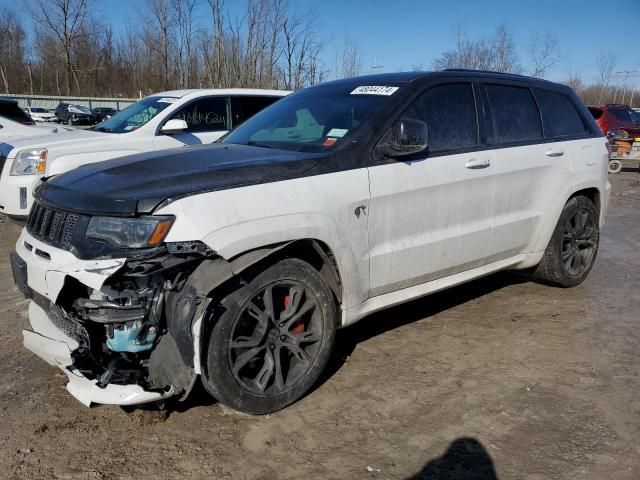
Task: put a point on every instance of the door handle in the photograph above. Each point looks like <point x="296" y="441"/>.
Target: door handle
<point x="554" y="153"/>
<point x="477" y="163"/>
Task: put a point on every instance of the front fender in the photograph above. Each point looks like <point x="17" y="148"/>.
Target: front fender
<point x="233" y="240"/>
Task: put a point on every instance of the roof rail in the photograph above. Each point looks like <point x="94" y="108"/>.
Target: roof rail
<point x="480" y="71"/>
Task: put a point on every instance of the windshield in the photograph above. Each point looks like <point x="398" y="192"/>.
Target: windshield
<point x="136" y="115"/>
<point x="37" y="110"/>
<point x="314" y="120"/>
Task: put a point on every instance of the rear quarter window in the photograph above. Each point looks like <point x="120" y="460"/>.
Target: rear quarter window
<point x="559" y="115"/>
<point x="596" y="113"/>
<point x="515" y="114"/>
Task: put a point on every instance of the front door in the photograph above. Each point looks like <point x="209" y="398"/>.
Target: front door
<point x="430" y="214"/>
<point x="207" y="118"/>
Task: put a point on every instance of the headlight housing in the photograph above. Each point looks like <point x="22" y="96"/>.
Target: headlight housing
<point x="130" y="232"/>
<point x="32" y="161"/>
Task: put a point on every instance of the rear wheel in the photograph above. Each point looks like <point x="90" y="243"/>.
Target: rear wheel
<point x="572" y="249"/>
<point x="615" y="166"/>
<point x="273" y="339"/>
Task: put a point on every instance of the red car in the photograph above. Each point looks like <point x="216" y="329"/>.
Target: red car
<point x="616" y="117"/>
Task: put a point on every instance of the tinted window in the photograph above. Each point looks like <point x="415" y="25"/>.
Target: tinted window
<point x="621" y="114"/>
<point x="245" y="107"/>
<point x="515" y="114"/>
<point x="450" y="114"/>
<point x="596" y="112"/>
<point x="205" y="115"/>
<point x="13" y="112"/>
<point x="559" y="115"/>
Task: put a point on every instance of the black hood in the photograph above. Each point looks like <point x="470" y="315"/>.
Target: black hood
<point x="139" y="183"/>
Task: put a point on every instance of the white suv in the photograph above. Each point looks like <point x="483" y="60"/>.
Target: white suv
<point x="161" y="121"/>
<point x="237" y="262"/>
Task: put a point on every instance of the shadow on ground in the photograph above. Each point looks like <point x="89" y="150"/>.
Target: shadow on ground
<point x="465" y="459"/>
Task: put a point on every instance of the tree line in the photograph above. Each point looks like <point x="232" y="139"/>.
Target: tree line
<point x="172" y="44"/>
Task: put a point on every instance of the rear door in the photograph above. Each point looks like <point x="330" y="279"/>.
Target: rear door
<point x="207" y="118"/>
<point x="243" y="107"/>
<point x="532" y="173"/>
<point x="430" y="213"/>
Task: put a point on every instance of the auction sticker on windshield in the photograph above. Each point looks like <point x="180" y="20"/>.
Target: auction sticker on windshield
<point x="374" y="90"/>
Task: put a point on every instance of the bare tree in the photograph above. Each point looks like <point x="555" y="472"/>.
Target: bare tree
<point x="496" y="53"/>
<point x="544" y="51"/>
<point x="350" y="59"/>
<point x="65" y="19"/>
<point x="12" y="50"/>
<point x="184" y="12"/>
<point x="159" y="34"/>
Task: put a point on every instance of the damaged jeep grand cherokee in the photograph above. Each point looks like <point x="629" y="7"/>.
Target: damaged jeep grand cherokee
<point x="234" y="263"/>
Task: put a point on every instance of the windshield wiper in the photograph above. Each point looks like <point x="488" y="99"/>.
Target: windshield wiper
<point x="102" y="129"/>
<point x="253" y="143"/>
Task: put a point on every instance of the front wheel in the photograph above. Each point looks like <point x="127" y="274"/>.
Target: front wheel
<point x="272" y="339"/>
<point x="572" y="249"/>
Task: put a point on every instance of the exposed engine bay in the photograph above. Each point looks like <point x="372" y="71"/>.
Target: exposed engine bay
<point x="138" y="328"/>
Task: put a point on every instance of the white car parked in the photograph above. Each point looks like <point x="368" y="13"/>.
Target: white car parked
<point x="165" y="120"/>
<point x="39" y="114"/>
<point x="11" y="132"/>
<point x="237" y="262"/>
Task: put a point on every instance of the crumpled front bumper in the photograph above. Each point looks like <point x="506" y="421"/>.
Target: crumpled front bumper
<point x="46" y="277"/>
<point x="52" y="345"/>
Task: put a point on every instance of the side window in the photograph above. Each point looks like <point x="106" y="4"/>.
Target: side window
<point x="559" y="115"/>
<point x="622" y="114"/>
<point x="245" y="107"/>
<point x="515" y="114"/>
<point x="205" y="115"/>
<point x="450" y="114"/>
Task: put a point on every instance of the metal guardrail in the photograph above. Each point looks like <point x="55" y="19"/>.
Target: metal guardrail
<point x="52" y="101"/>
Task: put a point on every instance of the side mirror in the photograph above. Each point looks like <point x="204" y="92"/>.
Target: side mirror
<point x="407" y="136"/>
<point x="174" y="125"/>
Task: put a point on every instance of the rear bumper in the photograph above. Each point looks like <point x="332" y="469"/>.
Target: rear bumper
<point x="55" y="347"/>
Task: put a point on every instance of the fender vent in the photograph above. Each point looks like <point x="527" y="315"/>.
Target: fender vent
<point x="52" y="226"/>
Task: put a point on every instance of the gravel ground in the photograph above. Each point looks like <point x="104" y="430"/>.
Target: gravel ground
<point x="499" y="378"/>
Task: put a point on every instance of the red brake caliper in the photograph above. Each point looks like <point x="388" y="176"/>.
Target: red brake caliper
<point x="298" y="328"/>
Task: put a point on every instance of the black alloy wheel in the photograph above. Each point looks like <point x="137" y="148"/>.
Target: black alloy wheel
<point x="272" y="338"/>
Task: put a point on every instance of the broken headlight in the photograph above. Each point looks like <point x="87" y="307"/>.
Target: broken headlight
<point x="130" y="232"/>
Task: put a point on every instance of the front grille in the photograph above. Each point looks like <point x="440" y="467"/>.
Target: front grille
<point x="52" y="226"/>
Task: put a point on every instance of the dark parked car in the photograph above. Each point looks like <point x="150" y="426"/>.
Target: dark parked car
<point x="73" y="114"/>
<point x="9" y="109"/>
<point x="100" y="114"/>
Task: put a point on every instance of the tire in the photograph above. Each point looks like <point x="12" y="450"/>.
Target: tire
<point x="573" y="247"/>
<point x="615" y="166"/>
<point x="258" y="365"/>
